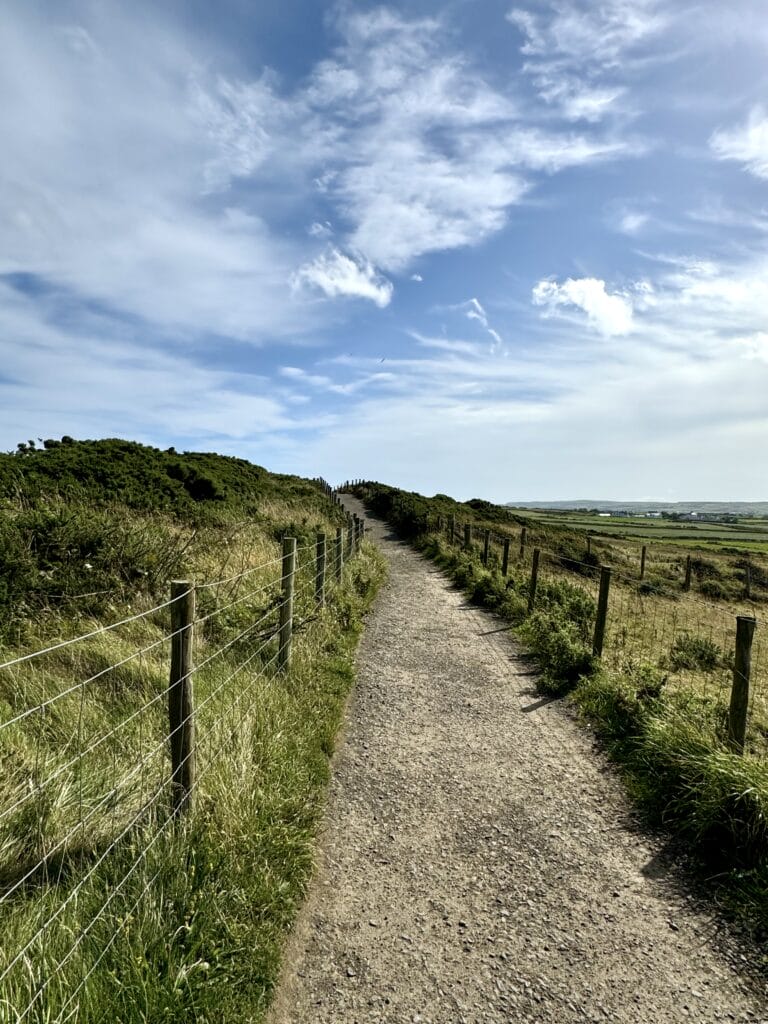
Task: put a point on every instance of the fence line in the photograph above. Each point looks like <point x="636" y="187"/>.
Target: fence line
<point x="697" y="646"/>
<point x="109" y="786"/>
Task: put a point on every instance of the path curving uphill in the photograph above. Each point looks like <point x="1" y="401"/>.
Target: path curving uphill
<point x="479" y="861"/>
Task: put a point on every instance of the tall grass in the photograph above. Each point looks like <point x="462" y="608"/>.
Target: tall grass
<point x="181" y="921"/>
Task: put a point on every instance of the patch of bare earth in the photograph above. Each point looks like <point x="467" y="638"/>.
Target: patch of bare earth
<point x="479" y="861"/>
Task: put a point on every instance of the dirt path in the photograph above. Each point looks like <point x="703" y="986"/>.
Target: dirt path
<point x="479" y="862"/>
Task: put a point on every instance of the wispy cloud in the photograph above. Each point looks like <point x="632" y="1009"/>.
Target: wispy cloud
<point x="473" y="310"/>
<point x="576" y="51"/>
<point x="747" y="143"/>
<point x="337" y="274"/>
<point x="581" y="32"/>
<point x="429" y="155"/>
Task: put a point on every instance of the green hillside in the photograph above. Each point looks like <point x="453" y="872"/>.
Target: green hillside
<point x="86" y="525"/>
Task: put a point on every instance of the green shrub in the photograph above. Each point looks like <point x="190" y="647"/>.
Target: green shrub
<point x="715" y="589"/>
<point x="694" y="652"/>
<point x="560" y="649"/>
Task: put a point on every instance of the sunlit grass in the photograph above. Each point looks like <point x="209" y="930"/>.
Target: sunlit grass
<point x="128" y="915"/>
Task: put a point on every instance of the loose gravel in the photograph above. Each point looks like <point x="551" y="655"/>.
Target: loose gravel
<point x="479" y="861"/>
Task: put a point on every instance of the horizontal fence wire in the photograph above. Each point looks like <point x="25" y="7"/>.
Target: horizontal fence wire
<point x="668" y="639"/>
<point x="85" y="636"/>
<point x="95" y="793"/>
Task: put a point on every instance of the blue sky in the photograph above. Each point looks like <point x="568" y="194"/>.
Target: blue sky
<point x="509" y="250"/>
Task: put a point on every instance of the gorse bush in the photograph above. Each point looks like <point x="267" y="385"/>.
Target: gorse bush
<point x="694" y="652"/>
<point x="88" y="525"/>
<point x="560" y="648"/>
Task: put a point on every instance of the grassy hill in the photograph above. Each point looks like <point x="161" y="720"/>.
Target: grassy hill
<point x="86" y="525"/>
<point x="98" y="881"/>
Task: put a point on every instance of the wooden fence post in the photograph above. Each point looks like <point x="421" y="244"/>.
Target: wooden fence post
<point x="339" y="554"/>
<point x="486" y="547"/>
<point x="643" y="553"/>
<point x="181" y="701"/>
<point x="285" y="636"/>
<point x="534" y="580"/>
<point x="505" y="558"/>
<point x="687" y="584"/>
<point x="523" y="536"/>
<point x="467" y="536"/>
<point x="742" y="667"/>
<point x="748" y="581"/>
<point x="602" y="610"/>
<point x="589" y="545"/>
<point x="452" y="527"/>
<point x="320" y="569"/>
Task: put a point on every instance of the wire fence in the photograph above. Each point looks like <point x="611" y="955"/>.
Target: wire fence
<point x="94" y="773"/>
<point x="675" y="641"/>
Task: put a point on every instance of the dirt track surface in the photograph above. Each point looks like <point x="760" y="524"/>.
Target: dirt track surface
<point x="479" y="861"/>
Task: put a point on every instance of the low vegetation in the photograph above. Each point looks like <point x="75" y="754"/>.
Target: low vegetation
<point x="110" y="909"/>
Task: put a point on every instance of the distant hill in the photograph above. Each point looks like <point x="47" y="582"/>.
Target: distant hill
<point x="758" y="509"/>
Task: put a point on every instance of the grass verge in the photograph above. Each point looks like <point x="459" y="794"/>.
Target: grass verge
<point x="166" y="922"/>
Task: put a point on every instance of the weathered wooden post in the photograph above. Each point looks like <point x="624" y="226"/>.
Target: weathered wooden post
<point x="181" y="701"/>
<point x="742" y="668"/>
<point x="643" y="553"/>
<point x="452" y="527"/>
<point x="350" y="535"/>
<point x="339" y="560"/>
<point x="687" y="584"/>
<point x="523" y="537"/>
<point x="534" y="580"/>
<point x="486" y="547"/>
<point x="467" y="536"/>
<point x="285" y="635"/>
<point x="748" y="581"/>
<point x="602" y="610"/>
<point x="589" y="545"/>
<point x="320" y="569"/>
<point x="505" y="558"/>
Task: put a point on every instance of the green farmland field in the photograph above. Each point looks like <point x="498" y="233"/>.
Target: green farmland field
<point x="746" y="535"/>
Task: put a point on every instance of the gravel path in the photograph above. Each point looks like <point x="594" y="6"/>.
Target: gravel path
<point x="478" y="860"/>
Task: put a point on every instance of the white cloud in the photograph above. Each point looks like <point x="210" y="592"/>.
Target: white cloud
<point x="417" y="277"/>
<point x="87" y="384"/>
<point x="586" y="32"/>
<point x="609" y="314"/>
<point x="429" y="155"/>
<point x="112" y="138"/>
<point x="576" y="49"/>
<point x="337" y="274"/>
<point x="631" y="222"/>
<point x="473" y="310"/>
<point x="747" y="143"/>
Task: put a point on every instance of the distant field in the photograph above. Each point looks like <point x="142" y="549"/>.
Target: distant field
<point x="747" y="535"/>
